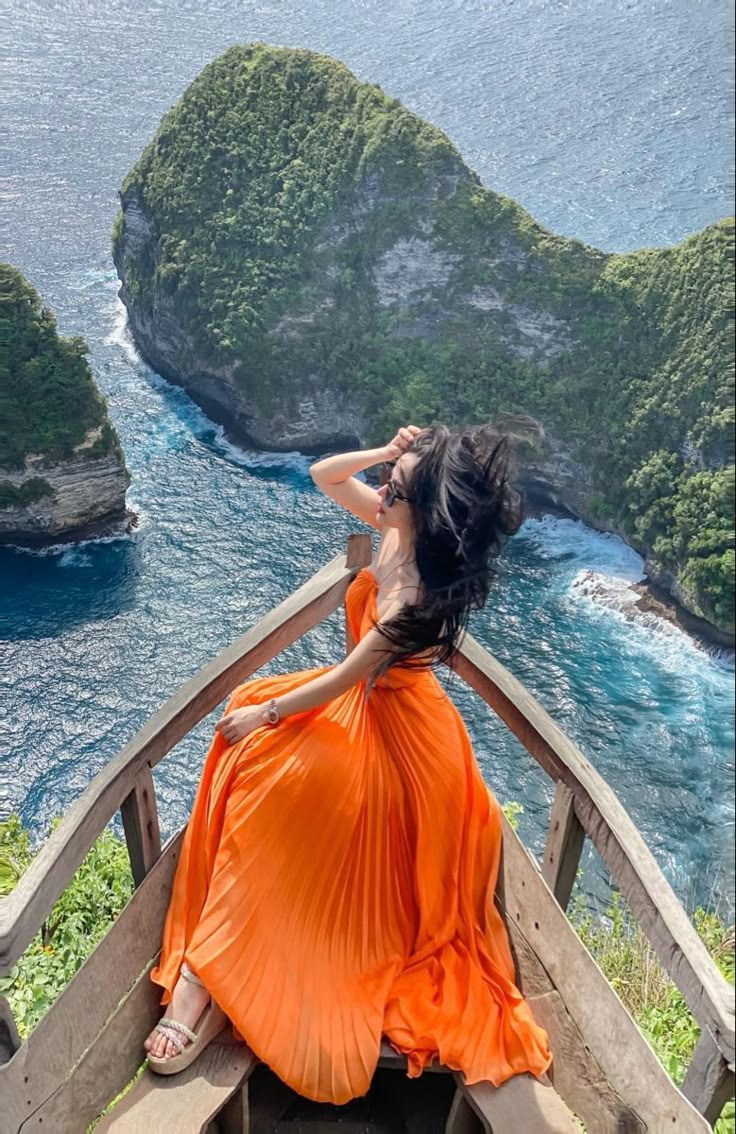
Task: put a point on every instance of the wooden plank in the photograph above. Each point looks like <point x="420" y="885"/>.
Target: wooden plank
<point x="610" y="1034"/>
<point x="359" y="550"/>
<point x="44" y="1061"/>
<point x="103" y="1070"/>
<point x="188" y="1101"/>
<point x="109" y="1064"/>
<point x="467" y="1114"/>
<point x="234" y="1118"/>
<point x="709" y="1081"/>
<point x="9" y="1038"/>
<point x="522" y="1103"/>
<point x="532" y="978"/>
<point x="140" y="824"/>
<point x="606" y="822"/>
<point x="565" y="838"/>
<point x="462" y="1119"/>
<point x="24" y="909"/>
<point x="576" y="1075"/>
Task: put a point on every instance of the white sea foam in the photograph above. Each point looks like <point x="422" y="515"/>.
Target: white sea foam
<point x="75" y="557"/>
<point x="595" y="572"/>
<point x="64" y="548"/>
<point x="581" y="547"/>
<point x="291" y="461"/>
<point x="120" y="335"/>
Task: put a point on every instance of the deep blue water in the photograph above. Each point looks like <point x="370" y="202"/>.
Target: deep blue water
<point x="609" y="122"/>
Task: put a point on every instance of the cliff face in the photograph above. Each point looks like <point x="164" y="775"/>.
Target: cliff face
<point x="85" y="496"/>
<point x="314" y="264"/>
<point x="310" y="418"/>
<point x="87" y="499"/>
<point x="312" y="259"/>
<point x="411" y="290"/>
<point x="62" y="470"/>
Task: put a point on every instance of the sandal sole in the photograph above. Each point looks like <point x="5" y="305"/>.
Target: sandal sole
<point x="210" y="1024"/>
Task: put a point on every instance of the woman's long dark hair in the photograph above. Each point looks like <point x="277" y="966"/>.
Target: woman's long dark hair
<point x="464" y="507"/>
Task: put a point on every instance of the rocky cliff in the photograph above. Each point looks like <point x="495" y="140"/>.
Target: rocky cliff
<point x="62" y="471"/>
<point x="314" y="264"/>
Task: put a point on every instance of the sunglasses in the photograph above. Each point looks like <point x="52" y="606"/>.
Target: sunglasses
<point x="394" y="492"/>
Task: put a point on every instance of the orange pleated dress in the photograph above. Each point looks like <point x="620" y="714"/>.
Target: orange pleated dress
<point x="336" y="884"/>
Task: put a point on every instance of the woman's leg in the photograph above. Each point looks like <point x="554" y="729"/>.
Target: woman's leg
<point x="199" y="846"/>
<point x="187" y="1005"/>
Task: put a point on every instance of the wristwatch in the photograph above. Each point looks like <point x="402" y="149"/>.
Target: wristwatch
<point x="272" y="713"/>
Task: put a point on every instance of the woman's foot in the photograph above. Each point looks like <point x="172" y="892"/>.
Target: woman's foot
<point x="186" y="1005"/>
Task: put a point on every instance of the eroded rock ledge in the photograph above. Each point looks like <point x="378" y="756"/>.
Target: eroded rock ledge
<point x="77" y="498"/>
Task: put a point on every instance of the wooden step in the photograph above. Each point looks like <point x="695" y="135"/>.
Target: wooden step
<point x="188" y="1101"/>
<point x="207" y="1098"/>
<point x="522" y="1103"/>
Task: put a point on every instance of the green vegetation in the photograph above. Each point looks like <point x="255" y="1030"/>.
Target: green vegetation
<point x="77" y="923"/>
<point x="18" y="496"/>
<point x="631" y="966"/>
<point x="277" y="191"/>
<point x="48" y="397"/>
<point x="243" y="172"/>
<point x="103" y="884"/>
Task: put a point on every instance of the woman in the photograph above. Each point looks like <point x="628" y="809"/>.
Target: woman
<point x="337" y="873"/>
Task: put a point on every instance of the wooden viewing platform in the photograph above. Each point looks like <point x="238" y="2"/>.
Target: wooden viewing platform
<point x="89" y="1045"/>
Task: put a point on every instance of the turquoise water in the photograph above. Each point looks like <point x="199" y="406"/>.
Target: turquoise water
<point x="98" y="635"/>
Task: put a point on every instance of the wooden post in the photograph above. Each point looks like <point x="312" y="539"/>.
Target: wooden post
<point x="359" y="554"/>
<point x="565" y="838"/>
<point x="462" y="1119"/>
<point x="9" y="1038"/>
<point x="709" y="1080"/>
<point x="140" y="823"/>
<point x="234" y="1118"/>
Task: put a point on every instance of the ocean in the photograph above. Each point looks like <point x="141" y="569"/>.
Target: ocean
<point x="609" y="122"/>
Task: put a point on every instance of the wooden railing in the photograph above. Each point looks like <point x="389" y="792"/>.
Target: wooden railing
<point x="584" y="806"/>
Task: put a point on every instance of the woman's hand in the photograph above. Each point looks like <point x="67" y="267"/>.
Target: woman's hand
<point x="240" y="722"/>
<point x="401" y="442"/>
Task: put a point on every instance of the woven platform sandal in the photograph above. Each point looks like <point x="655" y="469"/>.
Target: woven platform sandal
<point x="209" y="1024"/>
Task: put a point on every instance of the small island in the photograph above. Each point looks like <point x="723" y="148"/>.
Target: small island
<point x="313" y="264"/>
<point x="62" y="469"/>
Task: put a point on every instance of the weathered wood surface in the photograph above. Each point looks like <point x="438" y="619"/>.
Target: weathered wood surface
<point x="9" y="1038"/>
<point x="475" y="1096"/>
<point x="462" y="1119"/>
<point x="522" y="1103"/>
<point x="102" y="1072"/>
<point x="610" y="1034"/>
<point x="234" y="1118"/>
<point x="43" y="1063"/>
<point x="24" y="909"/>
<point x="709" y="1081"/>
<point x="576" y="1075"/>
<point x="188" y="1101"/>
<point x="140" y="824"/>
<point x="565" y="838"/>
<point x="615" y="837"/>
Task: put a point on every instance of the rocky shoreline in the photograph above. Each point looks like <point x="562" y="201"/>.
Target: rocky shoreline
<point x="653" y="599"/>
<point x="83" y="498"/>
<point x="541" y="499"/>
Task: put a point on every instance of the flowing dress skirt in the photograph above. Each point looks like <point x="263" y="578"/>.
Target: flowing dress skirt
<point x="336" y="884"/>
